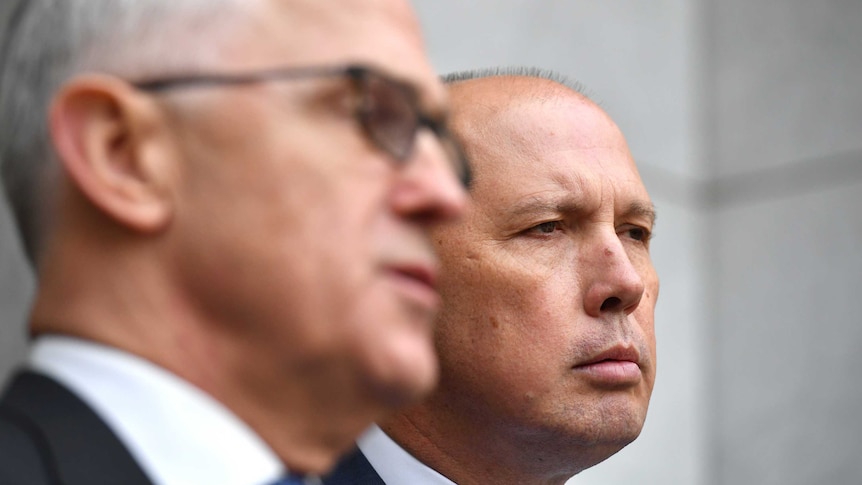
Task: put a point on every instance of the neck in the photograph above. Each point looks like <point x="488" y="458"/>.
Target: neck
<point x="471" y="450"/>
<point x="308" y="413"/>
<point x="127" y="299"/>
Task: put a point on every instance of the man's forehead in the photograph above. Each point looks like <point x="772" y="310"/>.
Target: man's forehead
<point x="512" y="108"/>
<point x="383" y="34"/>
<point x="546" y="144"/>
<point x="307" y="6"/>
<point x="352" y="26"/>
<point x="535" y="143"/>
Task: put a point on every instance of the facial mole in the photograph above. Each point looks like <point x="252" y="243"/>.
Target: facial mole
<point x="494" y="322"/>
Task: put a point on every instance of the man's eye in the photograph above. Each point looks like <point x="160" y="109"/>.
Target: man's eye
<point x="545" y="227"/>
<point x="638" y="233"/>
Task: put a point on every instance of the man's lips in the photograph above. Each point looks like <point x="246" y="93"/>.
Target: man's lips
<point x="417" y="281"/>
<point x="616" y="366"/>
<point x="422" y="273"/>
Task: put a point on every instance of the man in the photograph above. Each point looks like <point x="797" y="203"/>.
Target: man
<point x="546" y="338"/>
<point x="228" y="218"/>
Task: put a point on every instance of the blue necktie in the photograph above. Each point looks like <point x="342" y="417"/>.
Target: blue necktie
<point x="290" y="480"/>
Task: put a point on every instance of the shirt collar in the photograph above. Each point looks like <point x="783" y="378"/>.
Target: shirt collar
<point x="177" y="433"/>
<point x="393" y="463"/>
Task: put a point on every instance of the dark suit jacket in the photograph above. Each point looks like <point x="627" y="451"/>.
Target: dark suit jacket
<point x="48" y="436"/>
<point x="353" y="469"/>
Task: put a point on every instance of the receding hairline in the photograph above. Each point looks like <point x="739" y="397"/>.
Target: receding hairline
<point x="481" y="99"/>
<point x="454" y="78"/>
<point x="479" y="96"/>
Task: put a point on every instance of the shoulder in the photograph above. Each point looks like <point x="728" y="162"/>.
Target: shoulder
<point x="20" y="459"/>
<point x="49" y="436"/>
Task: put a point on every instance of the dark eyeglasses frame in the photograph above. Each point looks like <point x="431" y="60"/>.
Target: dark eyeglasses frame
<point x="359" y="76"/>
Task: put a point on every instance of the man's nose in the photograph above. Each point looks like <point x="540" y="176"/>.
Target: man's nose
<point x="428" y="187"/>
<point x="613" y="282"/>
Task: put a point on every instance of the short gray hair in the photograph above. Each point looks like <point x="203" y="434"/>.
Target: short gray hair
<point x="520" y="71"/>
<point x="46" y="42"/>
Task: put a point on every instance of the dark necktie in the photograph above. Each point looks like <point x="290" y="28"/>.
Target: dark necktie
<point x="289" y="480"/>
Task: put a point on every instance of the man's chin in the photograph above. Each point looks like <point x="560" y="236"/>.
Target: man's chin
<point x="408" y="378"/>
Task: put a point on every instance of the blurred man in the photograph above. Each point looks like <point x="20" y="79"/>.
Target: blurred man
<point x="546" y="335"/>
<point x="228" y="218"/>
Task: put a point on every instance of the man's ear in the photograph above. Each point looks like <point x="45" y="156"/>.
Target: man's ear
<point x="107" y="138"/>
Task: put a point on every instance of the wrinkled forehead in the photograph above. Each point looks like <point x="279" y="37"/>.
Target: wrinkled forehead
<point x="517" y="138"/>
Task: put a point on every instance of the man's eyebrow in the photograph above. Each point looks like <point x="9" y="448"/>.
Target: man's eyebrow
<point x="534" y="205"/>
<point x="641" y="209"/>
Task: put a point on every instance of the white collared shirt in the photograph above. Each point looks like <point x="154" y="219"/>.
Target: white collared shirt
<point x="394" y="465"/>
<point x="177" y="433"/>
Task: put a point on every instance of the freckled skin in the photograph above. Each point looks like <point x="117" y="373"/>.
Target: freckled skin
<point x="550" y="267"/>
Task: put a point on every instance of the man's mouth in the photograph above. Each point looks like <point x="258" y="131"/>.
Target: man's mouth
<point x="422" y="274"/>
<point x="616" y="366"/>
<point x="417" y="282"/>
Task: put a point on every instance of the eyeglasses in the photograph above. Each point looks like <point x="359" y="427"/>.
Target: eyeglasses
<point x="388" y="110"/>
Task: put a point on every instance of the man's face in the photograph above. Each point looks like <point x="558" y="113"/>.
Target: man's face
<point x="300" y="237"/>
<point x="546" y="333"/>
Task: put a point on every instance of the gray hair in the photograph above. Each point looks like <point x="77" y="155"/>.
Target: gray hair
<point x="520" y="71"/>
<point x="47" y="42"/>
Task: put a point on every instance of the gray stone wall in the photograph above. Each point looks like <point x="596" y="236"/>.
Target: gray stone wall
<point x="785" y="109"/>
<point x="746" y="121"/>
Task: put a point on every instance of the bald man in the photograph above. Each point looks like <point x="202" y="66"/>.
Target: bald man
<point x="546" y="338"/>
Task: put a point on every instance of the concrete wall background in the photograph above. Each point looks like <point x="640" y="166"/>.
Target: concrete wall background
<point x="785" y="111"/>
<point x="746" y="121"/>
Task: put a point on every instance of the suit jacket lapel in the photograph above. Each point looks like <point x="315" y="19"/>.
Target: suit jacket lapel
<point x="74" y="441"/>
<point x="353" y="469"/>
